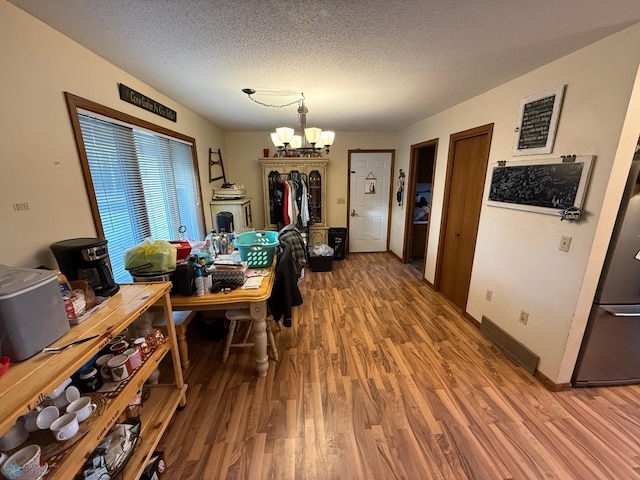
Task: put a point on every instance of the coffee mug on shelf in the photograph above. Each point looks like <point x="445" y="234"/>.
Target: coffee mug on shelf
<point x="47" y="416"/>
<point x="134" y="358"/>
<point x="70" y="394"/>
<point x="25" y="464"/>
<point x="116" y="339"/>
<point x="83" y="408"/>
<point x="90" y="379"/>
<point x="30" y="420"/>
<point x="118" y="366"/>
<point x="118" y="347"/>
<point x="101" y="365"/>
<point x="14" y="437"/>
<point x="65" y="427"/>
<point x="59" y="389"/>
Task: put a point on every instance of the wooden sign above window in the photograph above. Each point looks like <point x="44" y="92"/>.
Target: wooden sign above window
<point x="139" y="100"/>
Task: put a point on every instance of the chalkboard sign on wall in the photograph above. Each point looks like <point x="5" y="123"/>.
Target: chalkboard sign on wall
<point x="539" y="116"/>
<point x="544" y="186"/>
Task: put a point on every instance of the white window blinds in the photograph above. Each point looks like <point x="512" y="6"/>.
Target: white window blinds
<point x="146" y="186"/>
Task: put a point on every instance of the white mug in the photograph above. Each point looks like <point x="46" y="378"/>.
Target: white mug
<point x="65" y="427"/>
<point x="47" y="416"/>
<point x="14" y="437"/>
<point x="27" y="461"/>
<point x="82" y="407"/>
<point x="59" y="389"/>
<point x="30" y="420"/>
<point x="70" y="394"/>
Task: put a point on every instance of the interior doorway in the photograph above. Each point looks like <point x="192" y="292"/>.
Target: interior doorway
<point x="418" y="206"/>
<point x="464" y="187"/>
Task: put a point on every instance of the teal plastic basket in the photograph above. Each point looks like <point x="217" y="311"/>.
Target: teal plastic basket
<point x="257" y="248"/>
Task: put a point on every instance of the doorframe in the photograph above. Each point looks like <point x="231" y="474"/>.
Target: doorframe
<point x="454" y="137"/>
<point x="411" y="193"/>
<point x="392" y="151"/>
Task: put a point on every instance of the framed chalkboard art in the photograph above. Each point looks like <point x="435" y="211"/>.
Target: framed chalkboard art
<point x="538" y="121"/>
<point x="544" y="186"/>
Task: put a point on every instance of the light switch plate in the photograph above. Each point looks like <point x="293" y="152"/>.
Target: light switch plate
<point x="565" y="243"/>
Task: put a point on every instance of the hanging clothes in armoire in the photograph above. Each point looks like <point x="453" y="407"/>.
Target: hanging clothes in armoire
<point x="288" y="199"/>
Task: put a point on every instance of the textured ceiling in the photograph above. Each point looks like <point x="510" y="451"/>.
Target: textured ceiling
<point x="362" y="65"/>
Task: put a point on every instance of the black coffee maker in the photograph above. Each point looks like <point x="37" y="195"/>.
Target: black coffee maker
<point x="86" y="259"/>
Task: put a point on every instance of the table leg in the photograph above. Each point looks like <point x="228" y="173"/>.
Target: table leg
<point x="259" y="314"/>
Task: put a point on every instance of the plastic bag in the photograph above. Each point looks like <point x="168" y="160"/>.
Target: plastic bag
<point x="151" y="256"/>
<point x="321" y="250"/>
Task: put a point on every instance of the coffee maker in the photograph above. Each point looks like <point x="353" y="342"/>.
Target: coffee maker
<point x="86" y="259"/>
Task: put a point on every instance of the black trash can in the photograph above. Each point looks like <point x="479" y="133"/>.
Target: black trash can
<point x="224" y="221"/>
<point x="338" y="241"/>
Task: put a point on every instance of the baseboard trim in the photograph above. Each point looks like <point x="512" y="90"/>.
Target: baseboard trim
<point x="512" y="348"/>
<point x="551" y="386"/>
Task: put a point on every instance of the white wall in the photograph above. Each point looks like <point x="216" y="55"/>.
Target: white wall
<point x="517" y="254"/>
<point x="38" y="65"/>
<point x="242" y="166"/>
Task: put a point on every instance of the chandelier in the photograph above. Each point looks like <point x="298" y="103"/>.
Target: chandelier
<point x="309" y="143"/>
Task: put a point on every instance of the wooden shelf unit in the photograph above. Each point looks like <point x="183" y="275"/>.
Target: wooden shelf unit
<point x="316" y="171"/>
<point x="29" y="382"/>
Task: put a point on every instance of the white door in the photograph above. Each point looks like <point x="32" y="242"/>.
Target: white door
<point x="369" y="189"/>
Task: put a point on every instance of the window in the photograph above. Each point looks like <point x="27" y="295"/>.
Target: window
<point x="142" y="183"/>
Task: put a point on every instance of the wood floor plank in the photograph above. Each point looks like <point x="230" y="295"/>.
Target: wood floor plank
<point x="380" y="378"/>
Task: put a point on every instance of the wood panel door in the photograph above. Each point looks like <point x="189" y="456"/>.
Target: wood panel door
<point x="464" y="186"/>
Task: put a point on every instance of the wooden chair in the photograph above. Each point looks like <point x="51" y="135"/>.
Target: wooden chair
<point x="181" y="319"/>
<point x="243" y="315"/>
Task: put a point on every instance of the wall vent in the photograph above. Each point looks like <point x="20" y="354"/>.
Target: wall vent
<point x="513" y="349"/>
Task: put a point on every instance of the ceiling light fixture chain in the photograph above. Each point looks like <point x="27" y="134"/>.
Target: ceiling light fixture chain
<point x="251" y="91"/>
<point x="291" y="145"/>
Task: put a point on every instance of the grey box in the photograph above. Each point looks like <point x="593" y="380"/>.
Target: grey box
<point x="32" y="314"/>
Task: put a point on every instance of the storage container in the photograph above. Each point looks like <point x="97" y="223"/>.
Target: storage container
<point x="32" y="314"/>
<point x="321" y="263"/>
<point x="183" y="248"/>
<point x="257" y="248"/>
<point x="230" y="275"/>
<point x="338" y="241"/>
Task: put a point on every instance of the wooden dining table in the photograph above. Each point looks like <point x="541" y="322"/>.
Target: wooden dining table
<point x="255" y="300"/>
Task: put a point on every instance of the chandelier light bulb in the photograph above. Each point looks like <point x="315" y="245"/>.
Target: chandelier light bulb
<point x="328" y="137"/>
<point x="313" y="134"/>
<point x="276" y="140"/>
<point x="296" y="141"/>
<point x="285" y="134"/>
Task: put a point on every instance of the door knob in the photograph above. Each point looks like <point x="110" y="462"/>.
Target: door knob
<point x="353" y="212"/>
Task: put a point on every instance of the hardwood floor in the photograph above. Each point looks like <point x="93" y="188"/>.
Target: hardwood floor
<point x="380" y="379"/>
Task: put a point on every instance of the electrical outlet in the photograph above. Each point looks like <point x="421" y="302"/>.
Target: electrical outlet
<point x="524" y="317"/>
<point x="565" y="243"/>
<point x="488" y="295"/>
<point x="341" y="201"/>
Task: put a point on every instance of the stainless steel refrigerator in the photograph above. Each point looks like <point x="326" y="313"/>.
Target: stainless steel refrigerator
<point x="610" y="351"/>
